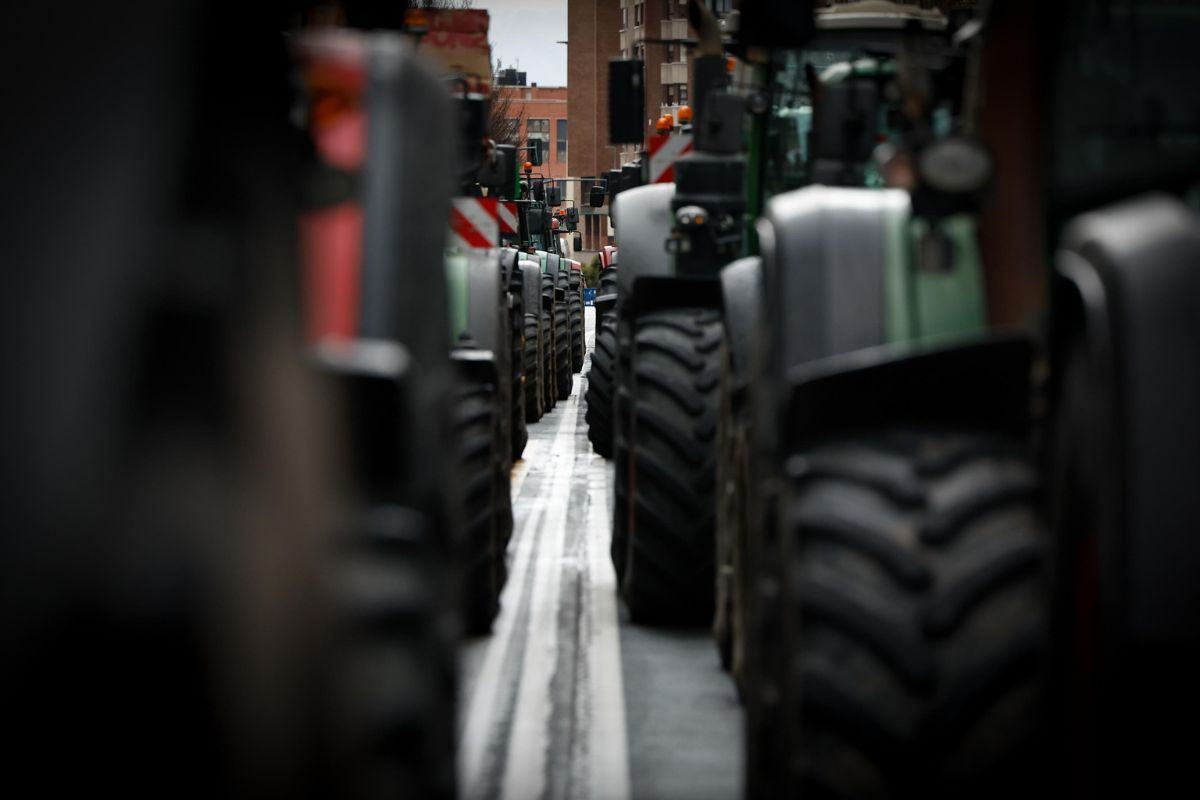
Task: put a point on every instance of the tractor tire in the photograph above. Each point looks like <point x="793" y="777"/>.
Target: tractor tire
<point x="916" y="619"/>
<point x="578" y="349"/>
<point x="393" y="583"/>
<point x="622" y="403"/>
<point x="483" y="562"/>
<point x="732" y="524"/>
<point x="549" y="387"/>
<point x="669" y="569"/>
<point x="532" y="362"/>
<point x="520" y="434"/>
<point x="599" y="396"/>
<point x="562" y="351"/>
<point x="608" y="281"/>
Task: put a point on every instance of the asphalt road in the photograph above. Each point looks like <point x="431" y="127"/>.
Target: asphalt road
<point x="566" y="698"/>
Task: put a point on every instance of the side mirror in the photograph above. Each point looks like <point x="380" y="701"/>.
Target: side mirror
<point x="613" y="183"/>
<point x="539" y="190"/>
<point x="533" y="152"/>
<point x="473" y="115"/>
<point x="498" y="173"/>
<point x="553" y="196"/>
<point x="596" y="196"/>
<point x="572" y="216"/>
<point x="626" y="101"/>
<point x="577" y="243"/>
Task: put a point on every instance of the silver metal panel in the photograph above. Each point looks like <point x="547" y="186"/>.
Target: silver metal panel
<point x="825" y="257"/>
<point x="643" y="220"/>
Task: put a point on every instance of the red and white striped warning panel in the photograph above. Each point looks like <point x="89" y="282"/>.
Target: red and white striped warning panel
<point x="506" y="211"/>
<point x="474" y="222"/>
<point x="665" y="149"/>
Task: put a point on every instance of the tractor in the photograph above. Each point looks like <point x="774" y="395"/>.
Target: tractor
<point x="217" y="549"/>
<point x="378" y="328"/>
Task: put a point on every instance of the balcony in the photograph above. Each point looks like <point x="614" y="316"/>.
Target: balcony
<point x="674" y="28"/>
<point x="675" y="72"/>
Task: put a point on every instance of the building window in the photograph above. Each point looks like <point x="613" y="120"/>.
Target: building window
<point x="672" y="53"/>
<point x="682" y="93"/>
<point x="624" y="18"/>
<point x="639" y="15"/>
<point x="560" y="136"/>
<point x="539" y="129"/>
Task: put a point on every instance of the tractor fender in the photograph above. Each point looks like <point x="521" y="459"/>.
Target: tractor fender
<point x="410" y="137"/>
<point x="1128" y="297"/>
<point x="604" y="304"/>
<point x="979" y="384"/>
<point x="655" y="293"/>
<point x="825" y="252"/>
<point x="508" y="266"/>
<point x="475" y="365"/>
<point x="645" y="217"/>
<point x="531" y="286"/>
<point x="484" y="291"/>
<point x="742" y="300"/>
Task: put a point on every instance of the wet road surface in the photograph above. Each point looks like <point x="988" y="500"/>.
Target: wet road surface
<point x="567" y="699"/>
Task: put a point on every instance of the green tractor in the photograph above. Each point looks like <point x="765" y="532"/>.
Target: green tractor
<point x="955" y="510"/>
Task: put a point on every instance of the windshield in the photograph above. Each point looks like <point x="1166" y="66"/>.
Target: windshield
<point x="790" y="120"/>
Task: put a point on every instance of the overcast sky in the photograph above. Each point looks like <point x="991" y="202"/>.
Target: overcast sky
<point x="523" y="35"/>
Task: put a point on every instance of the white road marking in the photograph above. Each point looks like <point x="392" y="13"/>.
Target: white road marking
<point x="607" y="737"/>
<point x="525" y="772"/>
<point x="542" y="519"/>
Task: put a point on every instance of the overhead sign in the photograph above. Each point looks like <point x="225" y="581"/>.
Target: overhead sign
<point x="664" y="150"/>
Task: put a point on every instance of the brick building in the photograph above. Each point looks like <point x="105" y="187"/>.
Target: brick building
<point x="668" y="71"/>
<point x="543" y="114"/>
<point x="593" y="42"/>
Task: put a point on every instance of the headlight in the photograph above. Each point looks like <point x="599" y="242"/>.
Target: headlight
<point x="956" y="165"/>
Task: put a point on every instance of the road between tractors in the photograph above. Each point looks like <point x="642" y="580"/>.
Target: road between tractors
<point x="567" y="699"/>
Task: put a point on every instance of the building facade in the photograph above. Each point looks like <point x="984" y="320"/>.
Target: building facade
<point x="668" y="71"/>
<point x="542" y="111"/>
<point x="593" y="41"/>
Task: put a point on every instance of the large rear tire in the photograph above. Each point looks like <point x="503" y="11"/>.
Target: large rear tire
<point x="482" y="574"/>
<point x="916" y="618"/>
<point x="549" y="393"/>
<point x="575" y="307"/>
<point x="599" y="397"/>
<point x="533" y="369"/>
<point x="562" y="351"/>
<point x="733" y="477"/>
<point x="669" y="574"/>
<point x="520" y="434"/>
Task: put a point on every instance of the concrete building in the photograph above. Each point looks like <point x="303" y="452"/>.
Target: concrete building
<point x="593" y="41"/>
<point x="543" y="114"/>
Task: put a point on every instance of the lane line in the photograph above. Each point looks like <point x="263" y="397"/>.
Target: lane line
<point x="546" y="716"/>
<point x="525" y="772"/>
<point x="607" y="735"/>
<point x="495" y="686"/>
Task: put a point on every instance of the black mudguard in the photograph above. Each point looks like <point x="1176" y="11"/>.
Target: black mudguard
<point x="742" y="299"/>
<point x="655" y="293"/>
<point x="1126" y="346"/>
<point x="604" y="304"/>
<point x="982" y="384"/>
